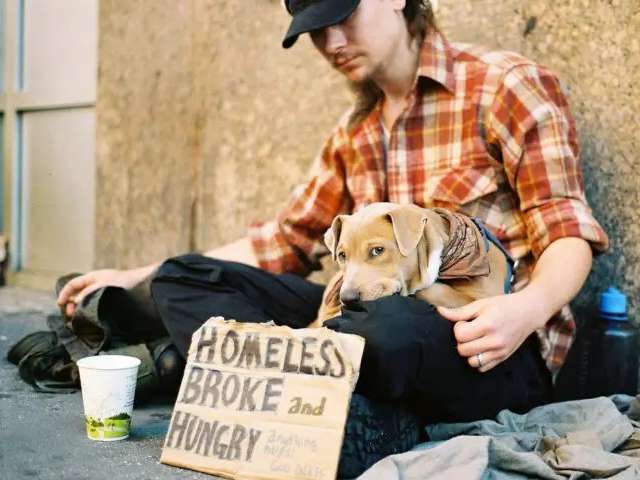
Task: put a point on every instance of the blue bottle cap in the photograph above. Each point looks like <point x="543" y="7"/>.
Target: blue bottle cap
<point x="613" y="304"/>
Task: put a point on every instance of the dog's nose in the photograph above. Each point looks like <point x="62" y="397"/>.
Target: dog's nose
<point x="350" y="296"/>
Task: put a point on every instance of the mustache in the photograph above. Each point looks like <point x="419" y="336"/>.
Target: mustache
<point x="342" y="58"/>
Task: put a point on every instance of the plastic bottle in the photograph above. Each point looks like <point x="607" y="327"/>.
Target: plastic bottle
<point x="613" y="356"/>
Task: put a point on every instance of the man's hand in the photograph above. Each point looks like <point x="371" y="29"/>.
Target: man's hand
<point x="78" y="288"/>
<point x="494" y="327"/>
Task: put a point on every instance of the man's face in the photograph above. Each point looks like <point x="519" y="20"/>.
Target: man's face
<point x="361" y="45"/>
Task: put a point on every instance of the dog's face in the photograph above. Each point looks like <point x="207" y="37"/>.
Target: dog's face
<point x="376" y="249"/>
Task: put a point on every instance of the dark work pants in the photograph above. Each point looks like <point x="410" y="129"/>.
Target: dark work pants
<point x="410" y="350"/>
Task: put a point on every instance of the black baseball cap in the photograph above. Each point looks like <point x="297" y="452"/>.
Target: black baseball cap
<point x="311" y="15"/>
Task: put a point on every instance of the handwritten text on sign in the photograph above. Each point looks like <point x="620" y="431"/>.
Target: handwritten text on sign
<point x="261" y="401"/>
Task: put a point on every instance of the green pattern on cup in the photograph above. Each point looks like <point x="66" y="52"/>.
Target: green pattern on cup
<point x="109" y="428"/>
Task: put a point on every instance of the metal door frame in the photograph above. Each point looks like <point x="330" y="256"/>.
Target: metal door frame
<point x="14" y="101"/>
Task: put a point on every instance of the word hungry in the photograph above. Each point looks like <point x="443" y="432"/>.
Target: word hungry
<point x="197" y="435"/>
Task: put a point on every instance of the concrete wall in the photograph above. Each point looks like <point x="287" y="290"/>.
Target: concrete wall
<point x="146" y="131"/>
<point x="594" y="47"/>
<point x="205" y="123"/>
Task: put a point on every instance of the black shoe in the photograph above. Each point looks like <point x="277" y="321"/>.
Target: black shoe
<point x="169" y="365"/>
<point x="160" y="371"/>
<point x="375" y="430"/>
<point x="44" y="363"/>
<point x="32" y="343"/>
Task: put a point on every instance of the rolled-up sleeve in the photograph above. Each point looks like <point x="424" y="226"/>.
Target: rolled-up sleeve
<point x="531" y="124"/>
<point x="293" y="241"/>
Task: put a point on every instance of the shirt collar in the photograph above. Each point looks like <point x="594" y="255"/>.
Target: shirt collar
<point x="436" y="60"/>
<point x="436" y="63"/>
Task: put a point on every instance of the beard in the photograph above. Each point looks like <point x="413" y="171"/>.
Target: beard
<point x="367" y="94"/>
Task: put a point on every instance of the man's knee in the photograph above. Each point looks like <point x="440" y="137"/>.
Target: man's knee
<point x="199" y="268"/>
<point x="188" y="263"/>
<point x="195" y="270"/>
<point x="404" y="337"/>
<point x="390" y="321"/>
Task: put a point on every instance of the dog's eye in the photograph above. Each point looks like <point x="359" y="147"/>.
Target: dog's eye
<point x="341" y="256"/>
<point x="376" y="251"/>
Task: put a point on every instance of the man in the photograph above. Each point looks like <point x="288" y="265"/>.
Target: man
<point x="485" y="133"/>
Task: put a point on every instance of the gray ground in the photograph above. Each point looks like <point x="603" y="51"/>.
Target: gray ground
<point x="42" y="436"/>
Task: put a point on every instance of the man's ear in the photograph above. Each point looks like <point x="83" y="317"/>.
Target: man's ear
<point x="332" y="235"/>
<point x="408" y="226"/>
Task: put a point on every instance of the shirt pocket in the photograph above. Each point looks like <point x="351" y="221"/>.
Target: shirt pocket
<point x="461" y="186"/>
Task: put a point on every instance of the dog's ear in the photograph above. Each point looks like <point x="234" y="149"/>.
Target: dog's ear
<point x="332" y="235"/>
<point x="430" y="247"/>
<point x="408" y="226"/>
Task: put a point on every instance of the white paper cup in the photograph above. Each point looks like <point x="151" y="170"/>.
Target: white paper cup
<point x="108" y="386"/>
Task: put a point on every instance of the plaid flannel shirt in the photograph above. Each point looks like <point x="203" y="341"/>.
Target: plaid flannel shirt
<point x="488" y="134"/>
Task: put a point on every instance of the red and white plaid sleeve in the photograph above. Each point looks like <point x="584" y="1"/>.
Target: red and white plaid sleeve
<point x="293" y="241"/>
<point x="531" y="122"/>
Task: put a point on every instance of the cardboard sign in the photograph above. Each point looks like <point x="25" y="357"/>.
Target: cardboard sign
<point x="258" y="401"/>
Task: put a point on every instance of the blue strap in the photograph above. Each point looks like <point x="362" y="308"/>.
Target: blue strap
<point x="490" y="237"/>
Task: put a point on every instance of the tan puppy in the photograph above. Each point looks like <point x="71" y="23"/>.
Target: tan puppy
<point x="386" y="249"/>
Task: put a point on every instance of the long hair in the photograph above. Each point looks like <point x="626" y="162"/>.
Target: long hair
<point x="420" y="20"/>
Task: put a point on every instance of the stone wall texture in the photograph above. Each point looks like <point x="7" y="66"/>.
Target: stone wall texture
<point x="204" y="123"/>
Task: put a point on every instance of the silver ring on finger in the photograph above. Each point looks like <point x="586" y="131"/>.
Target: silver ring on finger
<point x="479" y="358"/>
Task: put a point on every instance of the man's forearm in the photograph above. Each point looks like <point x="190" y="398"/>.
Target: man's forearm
<point x="238" y="251"/>
<point x="558" y="275"/>
<point x="141" y="273"/>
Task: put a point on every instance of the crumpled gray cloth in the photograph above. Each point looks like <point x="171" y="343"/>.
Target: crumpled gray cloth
<point x="98" y="321"/>
<point x="84" y="334"/>
<point x="576" y="440"/>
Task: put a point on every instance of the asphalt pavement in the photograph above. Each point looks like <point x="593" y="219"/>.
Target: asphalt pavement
<point x="42" y="436"/>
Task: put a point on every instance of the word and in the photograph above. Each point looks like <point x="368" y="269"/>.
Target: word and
<point x="306" y="408"/>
